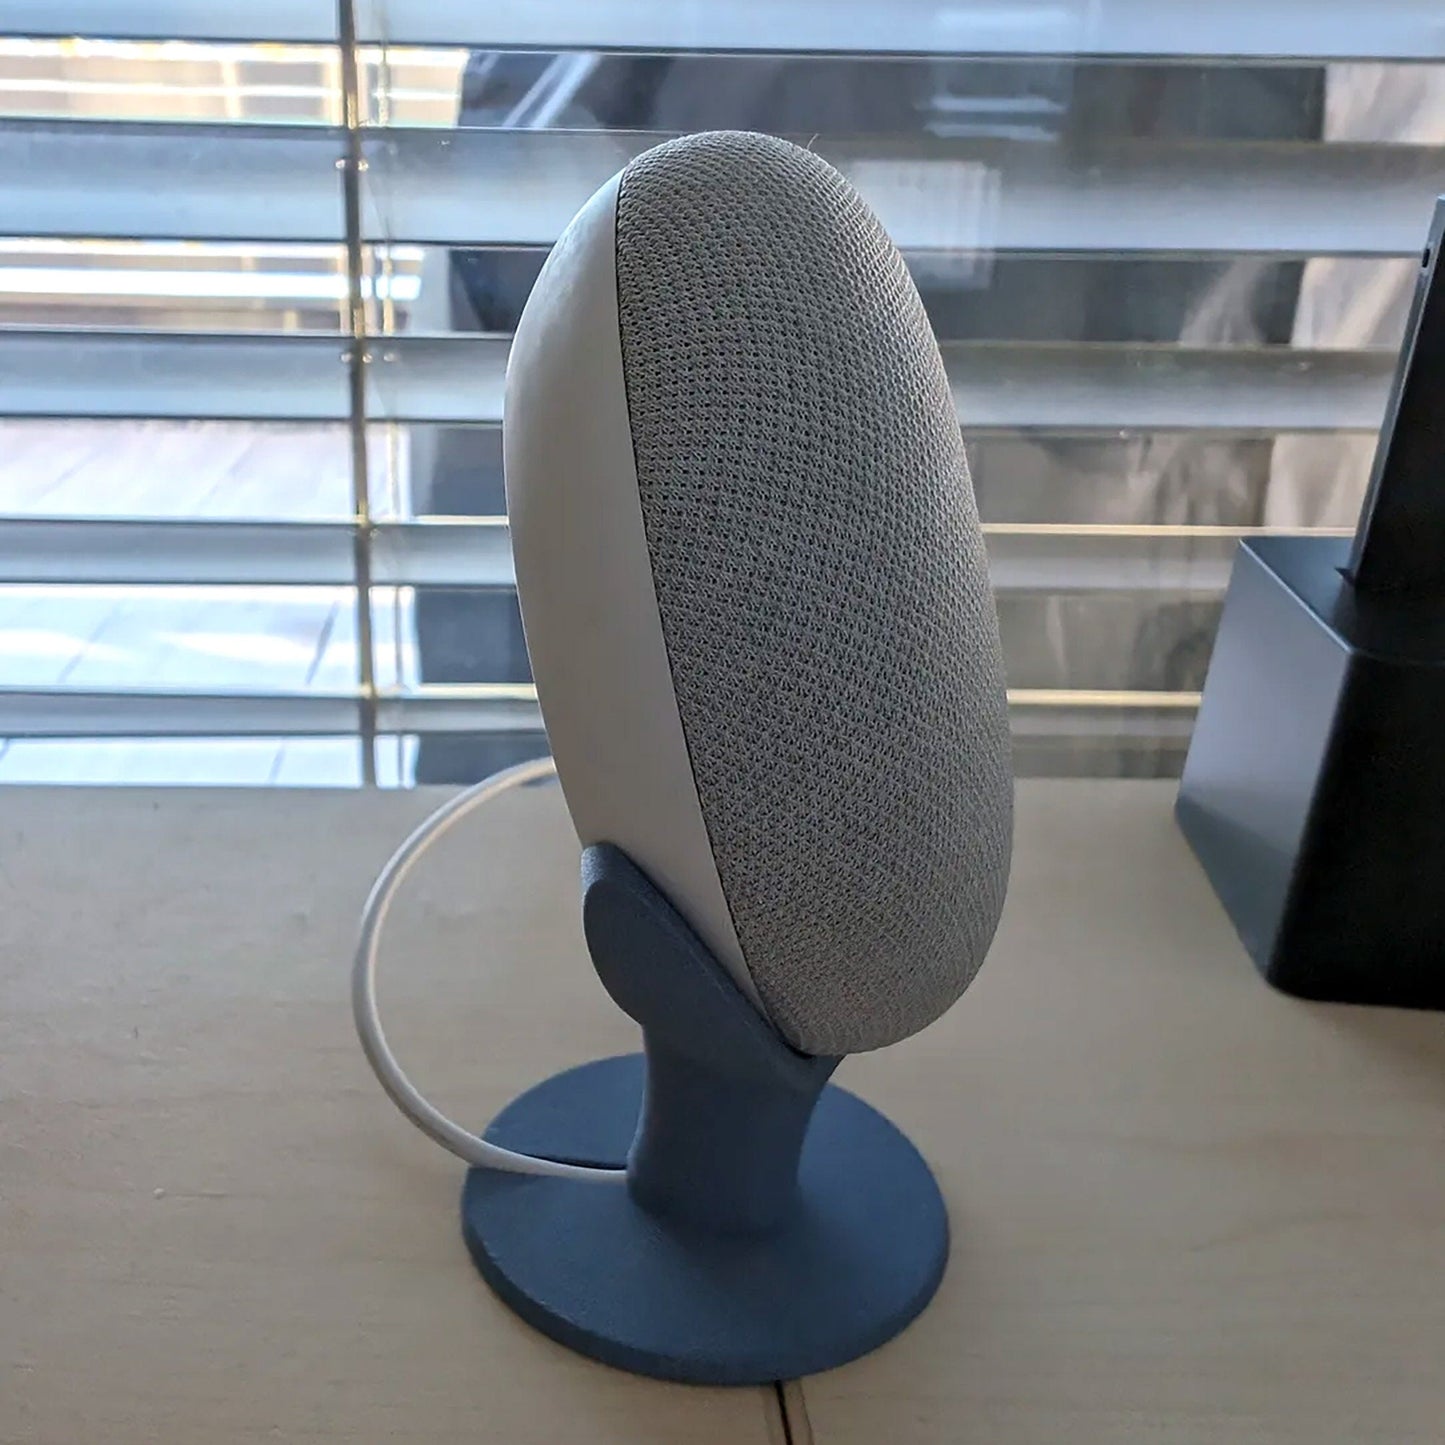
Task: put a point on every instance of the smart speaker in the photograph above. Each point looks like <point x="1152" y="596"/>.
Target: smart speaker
<point x="757" y="607"/>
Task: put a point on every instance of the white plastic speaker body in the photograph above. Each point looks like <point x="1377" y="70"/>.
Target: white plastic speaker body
<point x="919" y="866"/>
<point x="584" y="577"/>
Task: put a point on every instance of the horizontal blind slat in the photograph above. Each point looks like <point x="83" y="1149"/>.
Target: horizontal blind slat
<point x="478" y="708"/>
<point x="145" y="552"/>
<point x="1225" y="29"/>
<point x="78" y="713"/>
<point x="124" y="713"/>
<point x="1271" y="198"/>
<point x="1165" y="560"/>
<point x="1077" y="389"/>
<point x="1098" y="717"/>
<point x="246" y="376"/>
<point x="1062" y="387"/>
<point x="74" y="713"/>
<point x="139" y="181"/>
<point x="307" y="22"/>
<point x="1100" y="388"/>
<point x="477" y="555"/>
<point x="1124" y="29"/>
<point x="520" y="188"/>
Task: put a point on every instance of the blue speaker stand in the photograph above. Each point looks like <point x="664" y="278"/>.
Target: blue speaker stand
<point x="769" y="1225"/>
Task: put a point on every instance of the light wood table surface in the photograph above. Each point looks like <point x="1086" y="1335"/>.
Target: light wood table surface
<point x="1185" y="1208"/>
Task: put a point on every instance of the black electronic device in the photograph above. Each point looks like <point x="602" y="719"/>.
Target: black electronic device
<point x="1314" y="790"/>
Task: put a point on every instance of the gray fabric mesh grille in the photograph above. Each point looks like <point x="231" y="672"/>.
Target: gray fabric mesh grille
<point x="822" y="584"/>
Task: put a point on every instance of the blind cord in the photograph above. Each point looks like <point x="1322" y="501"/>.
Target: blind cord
<point x="399" y="1089"/>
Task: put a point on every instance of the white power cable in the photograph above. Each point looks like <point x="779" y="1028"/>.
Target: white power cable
<point x="402" y="1092"/>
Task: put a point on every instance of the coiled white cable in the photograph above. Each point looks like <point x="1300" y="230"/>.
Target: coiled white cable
<point x="402" y="1092"/>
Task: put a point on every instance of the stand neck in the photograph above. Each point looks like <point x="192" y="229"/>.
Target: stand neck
<point x="727" y="1102"/>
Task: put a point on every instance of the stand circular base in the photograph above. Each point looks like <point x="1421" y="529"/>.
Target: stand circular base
<point x="860" y="1258"/>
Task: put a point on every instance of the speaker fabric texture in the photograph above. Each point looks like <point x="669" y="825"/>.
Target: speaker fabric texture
<point x="819" y="579"/>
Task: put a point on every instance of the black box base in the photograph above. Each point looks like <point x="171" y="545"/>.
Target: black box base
<point x="1314" y="790"/>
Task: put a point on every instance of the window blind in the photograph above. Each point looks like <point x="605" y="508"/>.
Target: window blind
<point x="260" y="264"/>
